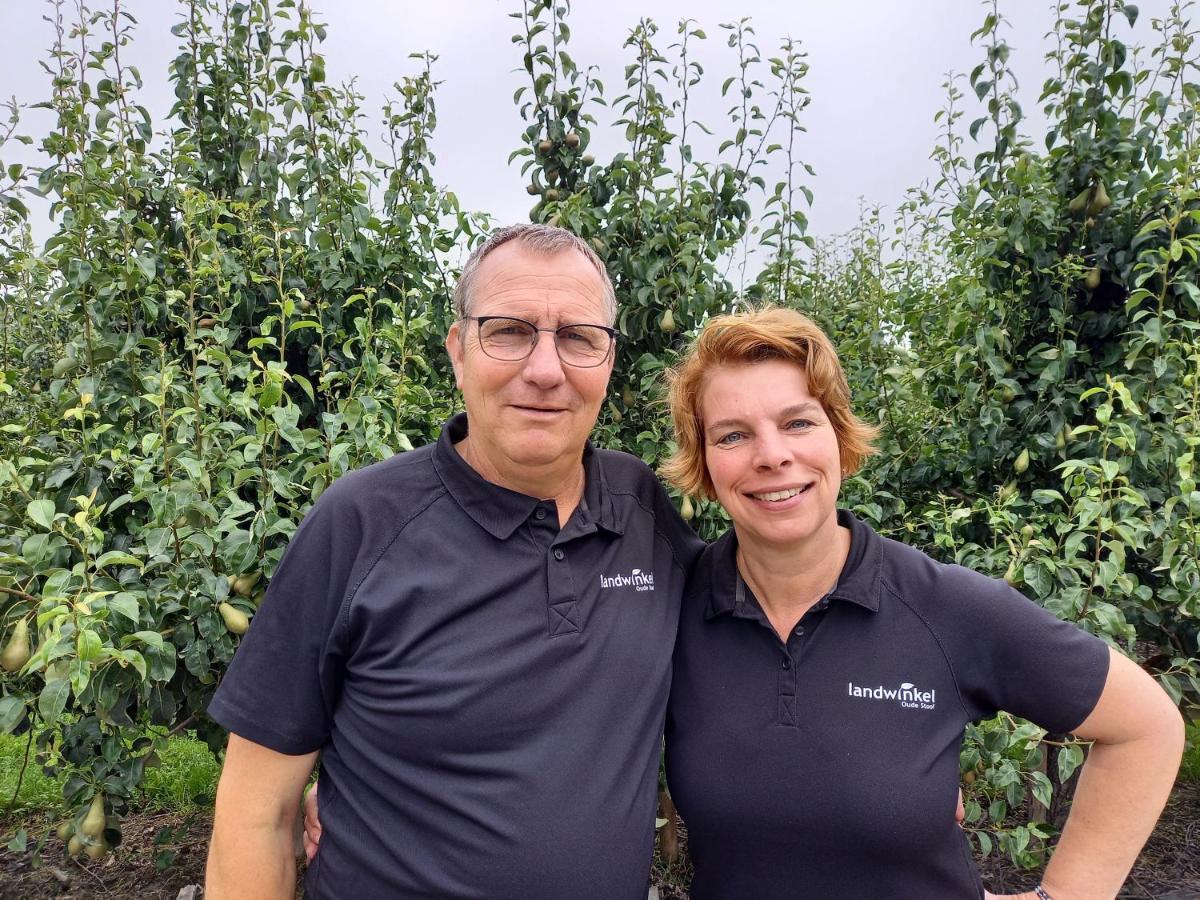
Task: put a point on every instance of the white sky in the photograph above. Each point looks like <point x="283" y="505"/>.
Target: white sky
<point x="876" y="70"/>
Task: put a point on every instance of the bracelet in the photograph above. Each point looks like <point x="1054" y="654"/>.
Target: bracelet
<point x="1041" y="893"/>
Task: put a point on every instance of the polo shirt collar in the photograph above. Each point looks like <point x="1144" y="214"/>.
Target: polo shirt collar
<point x="858" y="582"/>
<point x="500" y="511"/>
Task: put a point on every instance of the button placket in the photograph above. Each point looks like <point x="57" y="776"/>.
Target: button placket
<point x="563" y="602"/>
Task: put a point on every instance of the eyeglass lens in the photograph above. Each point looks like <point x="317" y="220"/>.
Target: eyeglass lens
<point x="513" y="339"/>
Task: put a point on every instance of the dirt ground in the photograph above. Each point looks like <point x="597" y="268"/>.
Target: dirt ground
<point x="162" y="855"/>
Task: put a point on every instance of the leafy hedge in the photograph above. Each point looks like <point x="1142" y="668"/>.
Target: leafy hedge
<point x="230" y="317"/>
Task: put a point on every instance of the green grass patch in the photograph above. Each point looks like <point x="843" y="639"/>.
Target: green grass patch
<point x="186" y="779"/>
<point x="1189" y="769"/>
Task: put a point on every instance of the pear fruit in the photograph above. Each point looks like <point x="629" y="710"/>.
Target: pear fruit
<point x="1010" y="574"/>
<point x="1100" y="200"/>
<point x="1027" y="532"/>
<point x="552" y="194"/>
<point x="1022" y="463"/>
<point x="1078" y="202"/>
<point x="545" y="146"/>
<point x="571" y="140"/>
<point x="75" y="845"/>
<point x="16" y="652"/>
<point x="1091" y="280"/>
<point x="92" y="825"/>
<point x="1062" y="437"/>
<point x="532" y="190"/>
<point x="587" y="159"/>
<point x="686" y="511"/>
<point x="1008" y="491"/>
<point x="96" y="851"/>
<point x="235" y="620"/>
<point x="244" y="584"/>
<point x="667" y="323"/>
<point x="627" y="396"/>
<point x="66" y="830"/>
<point x="206" y="322"/>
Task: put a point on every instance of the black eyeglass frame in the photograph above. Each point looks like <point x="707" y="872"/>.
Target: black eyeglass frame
<point x="612" y="333"/>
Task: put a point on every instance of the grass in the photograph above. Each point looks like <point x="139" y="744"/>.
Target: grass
<point x="1189" y="769"/>
<point x="186" y="779"/>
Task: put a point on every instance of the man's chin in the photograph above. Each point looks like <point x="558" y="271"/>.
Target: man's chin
<point x="544" y="449"/>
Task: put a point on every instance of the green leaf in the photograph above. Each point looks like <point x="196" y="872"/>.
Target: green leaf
<point x="41" y="511"/>
<point x="126" y="604"/>
<point x="53" y="699"/>
<point x="1070" y="758"/>
<point x="12" y="711"/>
<point x="88" y="645"/>
<point x="117" y="558"/>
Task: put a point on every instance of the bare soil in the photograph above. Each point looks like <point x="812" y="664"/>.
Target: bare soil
<point x="163" y="854"/>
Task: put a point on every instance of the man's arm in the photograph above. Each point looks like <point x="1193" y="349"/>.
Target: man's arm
<point x="258" y="798"/>
<point x="1131" y="767"/>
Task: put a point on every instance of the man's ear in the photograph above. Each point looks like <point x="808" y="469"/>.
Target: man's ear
<point x="454" y="347"/>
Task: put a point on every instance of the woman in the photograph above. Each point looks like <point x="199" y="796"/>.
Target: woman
<point x="823" y="674"/>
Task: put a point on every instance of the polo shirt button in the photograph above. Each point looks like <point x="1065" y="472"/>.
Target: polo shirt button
<point x="787" y="663"/>
<point x="799" y="632"/>
<point x="558" y="554"/>
<point x="540" y="514"/>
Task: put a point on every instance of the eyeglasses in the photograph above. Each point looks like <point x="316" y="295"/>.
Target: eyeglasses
<point x="510" y="340"/>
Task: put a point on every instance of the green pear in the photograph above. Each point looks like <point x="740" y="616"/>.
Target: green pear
<point x="16" y="652"/>
<point x="93" y="823"/>
<point x="235" y="620"/>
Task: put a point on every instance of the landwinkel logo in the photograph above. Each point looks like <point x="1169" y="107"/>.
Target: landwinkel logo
<point x="637" y="579"/>
<point x="907" y="695"/>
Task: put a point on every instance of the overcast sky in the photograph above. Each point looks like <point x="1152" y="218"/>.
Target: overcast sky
<point x="876" y="74"/>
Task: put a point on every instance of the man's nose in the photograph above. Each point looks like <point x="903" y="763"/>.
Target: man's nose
<point x="543" y="367"/>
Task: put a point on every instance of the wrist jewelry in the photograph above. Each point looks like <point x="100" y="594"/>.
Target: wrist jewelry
<point x="1041" y="893"/>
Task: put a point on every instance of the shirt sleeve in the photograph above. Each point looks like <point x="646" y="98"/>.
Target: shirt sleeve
<point x="282" y="686"/>
<point x="1010" y="654"/>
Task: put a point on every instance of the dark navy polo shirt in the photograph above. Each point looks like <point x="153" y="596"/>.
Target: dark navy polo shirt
<point x="487" y="691"/>
<point x="827" y="766"/>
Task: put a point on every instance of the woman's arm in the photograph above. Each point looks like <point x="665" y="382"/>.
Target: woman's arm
<point x="1138" y="735"/>
<point x="252" y="853"/>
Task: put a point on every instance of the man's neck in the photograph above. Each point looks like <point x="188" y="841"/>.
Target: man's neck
<point x="561" y="481"/>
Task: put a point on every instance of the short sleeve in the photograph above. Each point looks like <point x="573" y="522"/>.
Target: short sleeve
<point x="1010" y="654"/>
<point x="283" y="683"/>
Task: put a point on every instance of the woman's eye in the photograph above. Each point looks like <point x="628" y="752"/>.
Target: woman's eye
<point x="799" y="424"/>
<point x="732" y="438"/>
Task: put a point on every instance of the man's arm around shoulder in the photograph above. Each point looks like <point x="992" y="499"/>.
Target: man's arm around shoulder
<point x="258" y="799"/>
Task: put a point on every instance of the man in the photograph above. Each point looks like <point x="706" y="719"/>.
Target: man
<point x="474" y="636"/>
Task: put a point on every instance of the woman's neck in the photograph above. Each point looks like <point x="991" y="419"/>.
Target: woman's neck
<point x="788" y="580"/>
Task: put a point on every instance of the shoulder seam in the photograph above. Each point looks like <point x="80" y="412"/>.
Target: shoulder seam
<point x="657" y="530"/>
<point x="353" y="592"/>
<point x="937" y="640"/>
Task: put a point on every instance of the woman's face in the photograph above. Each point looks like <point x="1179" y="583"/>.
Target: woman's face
<point x="772" y="453"/>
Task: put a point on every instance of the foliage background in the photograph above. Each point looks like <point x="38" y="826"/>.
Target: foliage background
<point x="223" y="324"/>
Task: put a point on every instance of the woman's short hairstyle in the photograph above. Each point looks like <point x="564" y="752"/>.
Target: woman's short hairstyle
<point x="744" y="339"/>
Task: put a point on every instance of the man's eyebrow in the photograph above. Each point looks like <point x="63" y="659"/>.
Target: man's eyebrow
<point x="806" y="406"/>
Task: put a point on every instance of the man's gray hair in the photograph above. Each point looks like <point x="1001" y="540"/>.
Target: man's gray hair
<point x="547" y="239"/>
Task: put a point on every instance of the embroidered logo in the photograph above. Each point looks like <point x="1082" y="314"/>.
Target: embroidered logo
<point x="637" y="579"/>
<point x="907" y="695"/>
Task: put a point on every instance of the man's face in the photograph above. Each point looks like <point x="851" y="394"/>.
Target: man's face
<point x="536" y="411"/>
